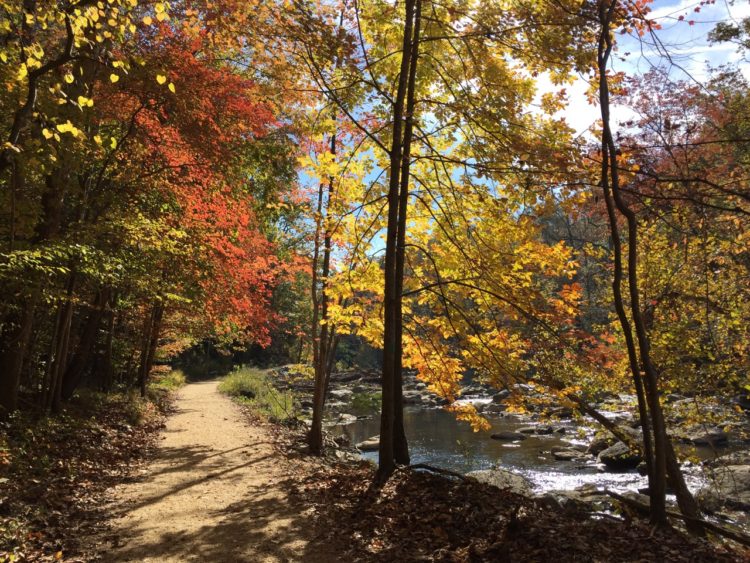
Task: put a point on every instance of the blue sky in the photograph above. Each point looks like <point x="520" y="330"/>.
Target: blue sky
<point x="690" y="54"/>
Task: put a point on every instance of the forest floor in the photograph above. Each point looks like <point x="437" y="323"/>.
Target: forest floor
<point x="211" y="483"/>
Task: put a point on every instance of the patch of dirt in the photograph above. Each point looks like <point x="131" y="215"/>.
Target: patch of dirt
<point x="217" y="490"/>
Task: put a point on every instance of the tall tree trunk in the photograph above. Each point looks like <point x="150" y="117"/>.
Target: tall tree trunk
<point x="663" y="458"/>
<point x="654" y="453"/>
<point x="386" y="460"/>
<point x="148" y="325"/>
<point x="322" y="333"/>
<point x="107" y="369"/>
<point x="400" y="445"/>
<point x="151" y="341"/>
<point x="15" y="344"/>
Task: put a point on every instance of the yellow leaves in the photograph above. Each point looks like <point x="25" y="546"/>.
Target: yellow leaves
<point x="114" y="78"/>
<point x="148" y="20"/>
<point x="171" y="87"/>
<point x="468" y="413"/>
<point x="161" y="11"/>
<point x="161" y="79"/>
<point x="23" y="72"/>
<point x="69" y="78"/>
<point x="47" y="133"/>
<point x="83" y="101"/>
<point x="112" y="143"/>
<point x="68" y="127"/>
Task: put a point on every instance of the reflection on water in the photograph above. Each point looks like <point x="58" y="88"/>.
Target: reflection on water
<point x="435" y="437"/>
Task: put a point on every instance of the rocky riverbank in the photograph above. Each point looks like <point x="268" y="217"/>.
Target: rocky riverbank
<point x="718" y="462"/>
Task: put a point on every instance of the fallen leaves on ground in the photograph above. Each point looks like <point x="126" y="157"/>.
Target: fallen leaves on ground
<point x="420" y="516"/>
<point x="57" y="470"/>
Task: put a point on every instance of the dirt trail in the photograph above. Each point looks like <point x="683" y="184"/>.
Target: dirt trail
<point x="217" y="491"/>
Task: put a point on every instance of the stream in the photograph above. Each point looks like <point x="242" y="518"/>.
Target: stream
<point x="437" y="438"/>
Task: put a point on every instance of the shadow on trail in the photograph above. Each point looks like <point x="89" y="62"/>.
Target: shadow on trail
<point x="244" y="524"/>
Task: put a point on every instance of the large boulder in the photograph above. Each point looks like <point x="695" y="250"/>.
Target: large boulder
<point x="500" y="396"/>
<point x="369" y="445"/>
<point x="729" y="487"/>
<point x="503" y="479"/>
<point x="701" y="435"/>
<point x="620" y="457"/>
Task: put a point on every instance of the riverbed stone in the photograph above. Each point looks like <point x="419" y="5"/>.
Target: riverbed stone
<point x="599" y="444"/>
<point x="705" y="436"/>
<point x="500" y="396"/>
<point x="729" y="487"/>
<point x="342" y="394"/>
<point x="507" y="435"/>
<point x="567" y="455"/>
<point x="412" y="398"/>
<point x="619" y="457"/>
<point x="346" y="418"/>
<point x="369" y="445"/>
<point x="503" y="479"/>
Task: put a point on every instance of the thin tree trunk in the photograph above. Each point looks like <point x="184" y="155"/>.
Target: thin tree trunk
<point x="386" y="461"/>
<point x="401" y="446"/>
<point x="12" y="357"/>
<point x="151" y="341"/>
<point x="148" y="325"/>
<point x="664" y="459"/>
<point x="62" y="355"/>
<point x="655" y="458"/>
<point x="85" y="350"/>
<point x="108" y="368"/>
<point x="321" y="342"/>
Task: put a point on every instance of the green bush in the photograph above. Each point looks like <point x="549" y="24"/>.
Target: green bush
<point x="252" y="387"/>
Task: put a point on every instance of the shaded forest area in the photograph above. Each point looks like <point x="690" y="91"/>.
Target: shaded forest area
<point x="397" y="187"/>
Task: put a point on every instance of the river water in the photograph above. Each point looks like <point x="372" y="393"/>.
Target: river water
<point x="437" y="438"/>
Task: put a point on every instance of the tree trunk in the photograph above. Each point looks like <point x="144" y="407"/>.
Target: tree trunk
<point x="386" y="460"/>
<point x="107" y="370"/>
<point x="321" y="344"/>
<point x="151" y="341"/>
<point x="401" y="446"/>
<point x="85" y="351"/>
<point x="663" y="458"/>
<point x="11" y="358"/>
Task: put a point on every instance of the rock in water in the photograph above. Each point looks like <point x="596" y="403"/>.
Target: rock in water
<point x="707" y="436"/>
<point x="508" y="436"/>
<point x="503" y="479"/>
<point x="730" y="487"/>
<point x="620" y="457"/>
<point x="369" y="445"/>
<point x="567" y="455"/>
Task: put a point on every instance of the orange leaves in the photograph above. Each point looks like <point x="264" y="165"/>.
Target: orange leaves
<point x="467" y="413"/>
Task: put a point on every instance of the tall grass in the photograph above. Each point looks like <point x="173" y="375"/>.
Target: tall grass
<point x="169" y="380"/>
<point x="252" y="387"/>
